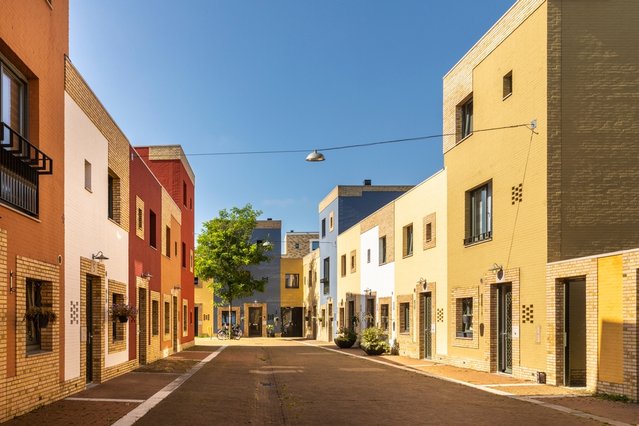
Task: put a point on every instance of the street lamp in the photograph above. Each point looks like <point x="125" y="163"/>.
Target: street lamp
<point x="315" y="156"/>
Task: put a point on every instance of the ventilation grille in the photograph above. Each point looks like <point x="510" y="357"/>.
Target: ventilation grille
<point x="517" y="194"/>
<point x="440" y="315"/>
<point x="74" y="316"/>
<point x="527" y="314"/>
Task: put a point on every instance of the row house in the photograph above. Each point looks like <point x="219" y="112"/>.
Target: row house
<point x="520" y="257"/>
<point x="33" y="45"/>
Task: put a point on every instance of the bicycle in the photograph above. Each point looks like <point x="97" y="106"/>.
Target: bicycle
<point x="236" y="332"/>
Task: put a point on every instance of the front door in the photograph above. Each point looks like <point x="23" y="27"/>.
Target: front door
<point x="575" y="332"/>
<point x="505" y="328"/>
<point x="427" y="312"/>
<point x="196" y="311"/>
<point x="89" y="330"/>
<point x="255" y="322"/>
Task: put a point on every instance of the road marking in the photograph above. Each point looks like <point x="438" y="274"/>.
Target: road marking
<point x="105" y="400"/>
<point x="139" y="411"/>
<point x="531" y="399"/>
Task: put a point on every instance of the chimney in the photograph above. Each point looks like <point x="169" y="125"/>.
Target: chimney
<point x="367" y="182"/>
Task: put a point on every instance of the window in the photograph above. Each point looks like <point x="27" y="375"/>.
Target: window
<point x="383" y="313"/>
<point x="225" y="317"/>
<point x="87" y="175"/>
<point x="152" y="229"/>
<point x="404" y="317"/>
<point x="368" y="256"/>
<point x="34" y="301"/>
<point x="184" y="197"/>
<point x="117" y="328"/>
<point x="296" y="245"/>
<point x="114" y="196"/>
<point x="331" y="221"/>
<point x="167" y="317"/>
<point x="465" y="317"/>
<point x="323" y="227"/>
<point x="111" y="204"/>
<point x="191" y="260"/>
<point x="408" y="240"/>
<point x="310" y="277"/>
<point x="155" y="308"/>
<point x="175" y="249"/>
<point x="370" y="312"/>
<point x="508" y="84"/>
<point x="479" y="208"/>
<point x="185" y="317"/>
<point x="343" y="265"/>
<point x="341" y="317"/>
<point x="292" y="281"/>
<point x="382" y="250"/>
<point x="167" y="241"/>
<point x="429" y="232"/>
<point x="327" y="272"/>
<point x="140" y="218"/>
<point x="314" y="245"/>
<point x="467" y="118"/>
<point x="184" y="255"/>
<point x="353" y="261"/>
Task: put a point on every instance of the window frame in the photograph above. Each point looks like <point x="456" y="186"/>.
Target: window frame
<point x="155" y="317"/>
<point x="153" y="236"/>
<point x="479" y="216"/>
<point x="507" y="85"/>
<point x="87" y="176"/>
<point x="464" y="329"/>
<point x="291" y="280"/>
<point x="382" y="250"/>
<point x="343" y="265"/>
<point x="467" y="116"/>
<point x="404" y="318"/>
<point x="408" y="242"/>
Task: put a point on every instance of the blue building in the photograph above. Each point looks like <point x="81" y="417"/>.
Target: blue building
<point x="342" y="208"/>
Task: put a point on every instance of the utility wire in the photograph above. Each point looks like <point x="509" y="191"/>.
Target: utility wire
<point x="339" y="147"/>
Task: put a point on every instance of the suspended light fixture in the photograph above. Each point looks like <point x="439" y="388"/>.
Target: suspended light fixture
<point x="315" y="156"/>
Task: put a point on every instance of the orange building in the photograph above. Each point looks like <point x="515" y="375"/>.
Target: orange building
<point x="33" y="45"/>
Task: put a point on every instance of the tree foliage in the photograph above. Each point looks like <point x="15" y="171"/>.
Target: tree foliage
<point x="224" y="252"/>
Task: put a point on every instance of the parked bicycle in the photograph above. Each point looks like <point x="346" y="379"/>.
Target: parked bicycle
<point x="287" y="330"/>
<point x="236" y="332"/>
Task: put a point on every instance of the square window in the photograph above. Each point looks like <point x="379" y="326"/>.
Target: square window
<point x="404" y="317"/>
<point x="479" y="214"/>
<point x="292" y="281"/>
<point x="407" y="232"/>
<point x="314" y="244"/>
<point x="508" y="84"/>
<point x="464" y="307"/>
<point x="466" y="111"/>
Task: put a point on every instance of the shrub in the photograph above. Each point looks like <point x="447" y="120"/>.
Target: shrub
<point x="374" y="341"/>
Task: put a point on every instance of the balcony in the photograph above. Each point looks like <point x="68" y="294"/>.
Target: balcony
<point x="21" y="164"/>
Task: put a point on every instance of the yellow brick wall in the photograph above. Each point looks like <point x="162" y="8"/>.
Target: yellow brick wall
<point x="291" y="297"/>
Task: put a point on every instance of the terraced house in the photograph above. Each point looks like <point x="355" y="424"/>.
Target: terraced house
<point x="33" y="45"/>
<point x="532" y="208"/>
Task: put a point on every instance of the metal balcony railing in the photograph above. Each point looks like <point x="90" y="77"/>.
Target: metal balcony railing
<point x="477" y="238"/>
<point x="21" y="164"/>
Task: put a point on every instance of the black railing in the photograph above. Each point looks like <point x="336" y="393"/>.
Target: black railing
<point x="20" y="166"/>
<point x="477" y="238"/>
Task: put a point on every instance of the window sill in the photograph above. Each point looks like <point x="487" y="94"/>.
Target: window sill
<point x="464" y="337"/>
<point x="35" y="353"/>
<point x="464" y="138"/>
<point x="405" y="333"/>
<point x="474" y="243"/>
<point x="507" y="96"/>
<point x="88" y="190"/>
<point x="407" y="256"/>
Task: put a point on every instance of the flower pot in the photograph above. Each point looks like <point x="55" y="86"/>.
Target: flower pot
<point x="123" y="318"/>
<point x="374" y="351"/>
<point x="344" y="343"/>
<point x="43" y="320"/>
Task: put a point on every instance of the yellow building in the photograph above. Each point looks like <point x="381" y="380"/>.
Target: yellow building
<point x="524" y="197"/>
<point x="169" y="298"/>
<point x="420" y="295"/>
<point x="310" y="270"/>
<point x="203" y="313"/>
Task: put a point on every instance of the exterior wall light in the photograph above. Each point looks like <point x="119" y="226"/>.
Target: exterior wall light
<point x="99" y="256"/>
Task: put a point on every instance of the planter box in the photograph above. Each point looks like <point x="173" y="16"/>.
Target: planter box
<point x="344" y="343"/>
<point x="377" y="351"/>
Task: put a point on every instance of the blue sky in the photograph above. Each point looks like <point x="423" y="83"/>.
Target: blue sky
<point x="220" y="76"/>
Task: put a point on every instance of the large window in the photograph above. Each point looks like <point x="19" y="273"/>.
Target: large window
<point x="407" y="249"/>
<point x="327" y="274"/>
<point x="292" y="281"/>
<point x="467" y="118"/>
<point x="34" y="302"/>
<point x="464" y="308"/>
<point x="382" y="250"/>
<point x="479" y="208"/>
<point x="404" y="317"/>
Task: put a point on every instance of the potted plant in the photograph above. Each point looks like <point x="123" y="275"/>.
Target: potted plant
<point x="345" y="338"/>
<point x="374" y="341"/>
<point x="270" y="330"/>
<point x="122" y="311"/>
<point x="41" y="314"/>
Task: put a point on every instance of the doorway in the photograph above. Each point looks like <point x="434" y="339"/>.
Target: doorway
<point x="196" y="319"/>
<point x="175" y="325"/>
<point x="89" y="329"/>
<point x="255" y="322"/>
<point x="142" y="344"/>
<point x="575" y="332"/>
<point x="427" y="320"/>
<point x="505" y="328"/>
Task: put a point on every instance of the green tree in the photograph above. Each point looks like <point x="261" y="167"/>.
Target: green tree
<point x="224" y="252"/>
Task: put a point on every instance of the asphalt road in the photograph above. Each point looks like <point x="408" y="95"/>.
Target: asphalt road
<point x="304" y="385"/>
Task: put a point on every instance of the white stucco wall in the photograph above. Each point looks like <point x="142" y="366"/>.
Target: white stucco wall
<point x="378" y="278"/>
<point x="87" y="227"/>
